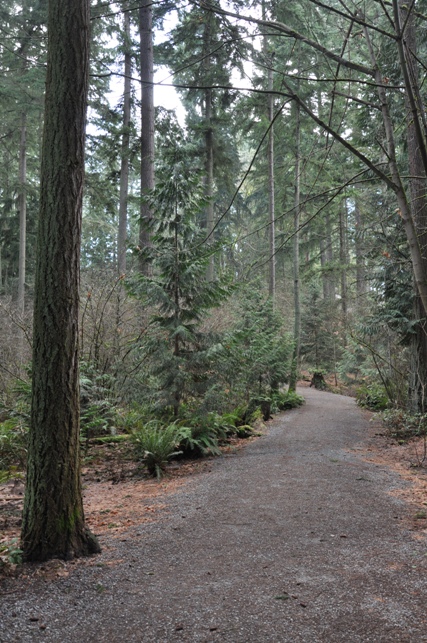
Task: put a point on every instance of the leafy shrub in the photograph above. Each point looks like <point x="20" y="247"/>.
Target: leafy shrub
<point x="372" y="396"/>
<point x="199" y="441"/>
<point x="98" y="400"/>
<point x="205" y="432"/>
<point x="10" y="553"/>
<point x="286" y="401"/>
<point x="13" y="443"/>
<point x="402" y="425"/>
<point x="156" y="444"/>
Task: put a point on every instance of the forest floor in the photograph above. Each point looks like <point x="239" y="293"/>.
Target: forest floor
<point x="315" y="531"/>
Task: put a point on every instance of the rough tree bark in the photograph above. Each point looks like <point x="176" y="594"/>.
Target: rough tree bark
<point x="53" y="519"/>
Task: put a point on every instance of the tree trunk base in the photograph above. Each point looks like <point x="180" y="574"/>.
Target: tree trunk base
<point x="83" y="544"/>
<point x="318" y="381"/>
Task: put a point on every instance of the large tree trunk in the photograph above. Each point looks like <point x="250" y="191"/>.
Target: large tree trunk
<point x="147" y="123"/>
<point x="53" y="520"/>
<point x="124" y="167"/>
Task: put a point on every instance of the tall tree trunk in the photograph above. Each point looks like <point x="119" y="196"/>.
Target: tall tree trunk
<point x="268" y="59"/>
<point x="53" y="519"/>
<point x="343" y="267"/>
<point x="209" y="137"/>
<point x="22" y="207"/>
<point x="147" y="123"/>
<point x="271" y="202"/>
<point x="124" y="164"/>
<point x="209" y="177"/>
<point x="296" y="267"/>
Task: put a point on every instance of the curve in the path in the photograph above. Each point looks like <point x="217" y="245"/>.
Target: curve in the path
<point x="295" y="539"/>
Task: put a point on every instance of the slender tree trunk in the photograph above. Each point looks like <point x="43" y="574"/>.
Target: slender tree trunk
<point x="209" y="137"/>
<point x="361" y="288"/>
<point x="271" y="195"/>
<point x="268" y="58"/>
<point x="22" y="205"/>
<point x="147" y="122"/>
<point x="124" y="168"/>
<point x="329" y="252"/>
<point x="343" y="267"/>
<point x="53" y="519"/>
<point x="296" y="261"/>
<point x="209" y="177"/>
<point x="418" y="264"/>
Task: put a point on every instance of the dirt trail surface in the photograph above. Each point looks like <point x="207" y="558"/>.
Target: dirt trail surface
<point x="294" y="538"/>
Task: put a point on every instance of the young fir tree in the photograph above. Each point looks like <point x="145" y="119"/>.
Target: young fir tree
<point x="178" y="292"/>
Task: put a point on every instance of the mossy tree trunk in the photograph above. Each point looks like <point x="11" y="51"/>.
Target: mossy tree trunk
<point x="53" y="520"/>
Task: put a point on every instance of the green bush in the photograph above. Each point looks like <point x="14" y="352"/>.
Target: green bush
<point x="156" y="444"/>
<point x="285" y="401"/>
<point x="98" y="413"/>
<point x="372" y="396"/>
<point x="10" y="553"/>
<point x="13" y="444"/>
<point x="199" y="441"/>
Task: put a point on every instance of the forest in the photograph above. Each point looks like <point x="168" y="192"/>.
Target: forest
<point x="266" y="221"/>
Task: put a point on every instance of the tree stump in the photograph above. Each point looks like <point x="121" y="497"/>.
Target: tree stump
<point x="318" y="381"/>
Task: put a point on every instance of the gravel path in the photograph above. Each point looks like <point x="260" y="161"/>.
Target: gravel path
<point x="293" y="539"/>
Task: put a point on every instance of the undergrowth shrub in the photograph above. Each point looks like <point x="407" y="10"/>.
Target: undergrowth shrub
<point x="13" y="446"/>
<point x="199" y="440"/>
<point x="155" y="444"/>
<point x="285" y="401"/>
<point x="372" y="396"/>
<point x="402" y="425"/>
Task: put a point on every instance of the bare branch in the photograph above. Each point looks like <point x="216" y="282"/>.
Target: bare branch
<point x="282" y="28"/>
